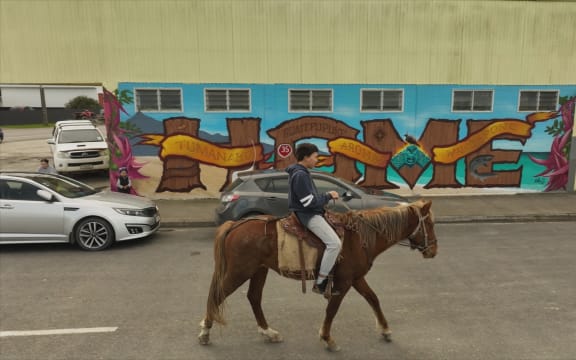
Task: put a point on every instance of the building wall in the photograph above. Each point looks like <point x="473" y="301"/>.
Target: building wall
<point x="503" y="148"/>
<point x="287" y="41"/>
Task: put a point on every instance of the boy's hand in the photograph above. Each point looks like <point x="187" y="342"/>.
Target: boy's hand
<point x="334" y="194"/>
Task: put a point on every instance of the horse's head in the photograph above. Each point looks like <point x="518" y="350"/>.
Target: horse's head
<point x="423" y="237"/>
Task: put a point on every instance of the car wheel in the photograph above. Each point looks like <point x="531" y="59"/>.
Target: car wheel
<point x="94" y="234"/>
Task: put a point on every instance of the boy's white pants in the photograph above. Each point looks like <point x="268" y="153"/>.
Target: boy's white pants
<point x="324" y="231"/>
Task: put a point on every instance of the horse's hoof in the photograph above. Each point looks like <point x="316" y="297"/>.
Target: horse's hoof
<point x="271" y="335"/>
<point x="387" y="335"/>
<point x="276" y="339"/>
<point x="332" y="346"/>
<point x="204" y="339"/>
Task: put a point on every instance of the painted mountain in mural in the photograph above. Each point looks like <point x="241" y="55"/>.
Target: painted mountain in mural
<point x="143" y="124"/>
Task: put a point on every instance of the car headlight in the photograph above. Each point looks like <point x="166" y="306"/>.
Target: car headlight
<point x="131" y="212"/>
<point x="104" y="152"/>
<point x="62" y="155"/>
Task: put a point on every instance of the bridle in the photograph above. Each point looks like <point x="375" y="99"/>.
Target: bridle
<point x="421" y="227"/>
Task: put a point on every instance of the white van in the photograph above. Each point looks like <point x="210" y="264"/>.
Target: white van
<point x="78" y="146"/>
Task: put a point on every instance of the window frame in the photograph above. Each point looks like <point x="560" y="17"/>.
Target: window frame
<point x="158" y="101"/>
<point x="227" y="100"/>
<point x="382" y="90"/>
<point x="538" y="99"/>
<point x="472" y="102"/>
<point x="310" y="105"/>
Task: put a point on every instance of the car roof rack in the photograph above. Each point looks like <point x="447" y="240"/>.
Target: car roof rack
<point x="73" y="123"/>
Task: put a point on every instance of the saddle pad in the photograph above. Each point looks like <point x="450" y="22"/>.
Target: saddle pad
<point x="289" y="255"/>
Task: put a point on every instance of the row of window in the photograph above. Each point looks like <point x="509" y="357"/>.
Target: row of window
<point x="372" y="100"/>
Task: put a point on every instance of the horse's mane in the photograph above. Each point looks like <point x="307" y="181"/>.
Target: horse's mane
<point x="384" y="222"/>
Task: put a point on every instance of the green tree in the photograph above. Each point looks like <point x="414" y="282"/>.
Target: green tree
<point x="83" y="102"/>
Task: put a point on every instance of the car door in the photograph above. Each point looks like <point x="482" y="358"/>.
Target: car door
<point x="277" y="196"/>
<point x="25" y="217"/>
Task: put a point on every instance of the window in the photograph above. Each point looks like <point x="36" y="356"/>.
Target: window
<point x="472" y="100"/>
<point x="538" y="101"/>
<point x="310" y="100"/>
<point x="382" y="100"/>
<point x="227" y="99"/>
<point x="323" y="186"/>
<point x="16" y="190"/>
<point x="158" y="99"/>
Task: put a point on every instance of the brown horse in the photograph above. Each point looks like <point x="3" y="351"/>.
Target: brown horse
<point x="245" y="250"/>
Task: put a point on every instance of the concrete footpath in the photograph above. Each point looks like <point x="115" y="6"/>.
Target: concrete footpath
<point x="524" y="207"/>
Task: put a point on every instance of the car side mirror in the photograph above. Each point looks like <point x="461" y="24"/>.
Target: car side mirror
<point x="50" y="141"/>
<point x="45" y="195"/>
<point x="347" y="196"/>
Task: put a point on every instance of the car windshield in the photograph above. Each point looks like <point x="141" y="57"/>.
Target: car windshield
<point x="67" y="187"/>
<point x="79" y="135"/>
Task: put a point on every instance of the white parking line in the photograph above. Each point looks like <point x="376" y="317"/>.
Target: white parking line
<point x="57" y="331"/>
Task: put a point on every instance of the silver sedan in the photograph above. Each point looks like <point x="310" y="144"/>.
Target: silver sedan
<point x="44" y="208"/>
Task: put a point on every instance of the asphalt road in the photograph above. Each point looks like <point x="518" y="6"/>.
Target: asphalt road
<point x="495" y="291"/>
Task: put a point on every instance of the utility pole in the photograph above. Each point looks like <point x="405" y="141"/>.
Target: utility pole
<point x="43" y="102"/>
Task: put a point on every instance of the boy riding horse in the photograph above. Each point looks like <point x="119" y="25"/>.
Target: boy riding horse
<point x="308" y="205"/>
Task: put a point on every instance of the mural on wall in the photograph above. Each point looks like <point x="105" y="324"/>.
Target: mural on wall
<point x="121" y="156"/>
<point x="444" y="153"/>
<point x="556" y="164"/>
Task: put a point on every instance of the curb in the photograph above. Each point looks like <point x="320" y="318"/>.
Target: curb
<point x="439" y="220"/>
<point x="505" y="219"/>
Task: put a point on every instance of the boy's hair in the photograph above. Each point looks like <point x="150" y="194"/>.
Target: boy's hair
<point x="44" y="161"/>
<point x="305" y="149"/>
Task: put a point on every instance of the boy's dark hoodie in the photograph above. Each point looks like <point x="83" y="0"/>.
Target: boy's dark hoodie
<point x="304" y="199"/>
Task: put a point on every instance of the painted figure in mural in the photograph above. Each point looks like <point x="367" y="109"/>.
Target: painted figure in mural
<point x="124" y="185"/>
<point x="45" y="167"/>
<point x="308" y="205"/>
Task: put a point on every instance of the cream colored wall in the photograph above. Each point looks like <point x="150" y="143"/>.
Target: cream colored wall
<point x="287" y="41"/>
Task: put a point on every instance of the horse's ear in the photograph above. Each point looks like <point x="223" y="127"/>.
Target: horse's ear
<point x="426" y="206"/>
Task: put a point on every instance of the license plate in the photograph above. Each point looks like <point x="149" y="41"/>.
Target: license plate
<point x="86" y="167"/>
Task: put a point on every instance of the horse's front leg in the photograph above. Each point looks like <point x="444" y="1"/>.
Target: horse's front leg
<point x="255" y="297"/>
<point x="331" y="310"/>
<point x="364" y="289"/>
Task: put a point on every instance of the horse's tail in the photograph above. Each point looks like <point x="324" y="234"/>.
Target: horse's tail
<point x="216" y="295"/>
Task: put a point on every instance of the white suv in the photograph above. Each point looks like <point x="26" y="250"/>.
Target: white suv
<point x="78" y="146"/>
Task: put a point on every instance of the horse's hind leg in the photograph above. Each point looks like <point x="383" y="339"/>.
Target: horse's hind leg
<point x="364" y="289"/>
<point x="229" y="286"/>
<point x="255" y="297"/>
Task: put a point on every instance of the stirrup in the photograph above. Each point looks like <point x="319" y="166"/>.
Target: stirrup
<point x="325" y="288"/>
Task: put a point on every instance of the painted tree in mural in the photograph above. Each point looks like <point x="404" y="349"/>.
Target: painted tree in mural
<point x="557" y="163"/>
<point x="118" y="143"/>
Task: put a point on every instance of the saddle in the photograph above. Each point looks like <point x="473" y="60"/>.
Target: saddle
<point x="309" y="247"/>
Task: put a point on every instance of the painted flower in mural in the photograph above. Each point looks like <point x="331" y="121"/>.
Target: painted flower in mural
<point x="120" y="149"/>
<point x="557" y="163"/>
